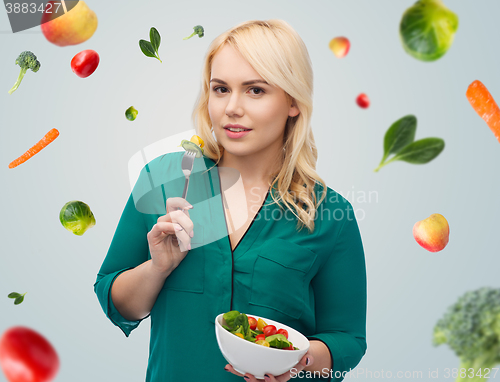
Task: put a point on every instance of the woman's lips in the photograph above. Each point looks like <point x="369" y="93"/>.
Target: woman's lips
<point x="235" y="135"/>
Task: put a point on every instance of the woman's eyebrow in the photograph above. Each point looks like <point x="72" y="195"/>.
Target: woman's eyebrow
<point x="243" y="83"/>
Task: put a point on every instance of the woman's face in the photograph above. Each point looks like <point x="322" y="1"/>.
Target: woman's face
<point x="257" y="106"/>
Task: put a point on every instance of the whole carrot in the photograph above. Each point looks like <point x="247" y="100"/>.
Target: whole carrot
<point x="48" y="138"/>
<point x="485" y="106"/>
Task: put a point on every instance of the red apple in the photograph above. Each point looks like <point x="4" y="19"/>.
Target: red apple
<point x="72" y="28"/>
<point x="340" y="46"/>
<point x="432" y="233"/>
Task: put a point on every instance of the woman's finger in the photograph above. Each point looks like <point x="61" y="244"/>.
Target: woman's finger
<point x="229" y="368"/>
<point x="174" y="203"/>
<point x="181" y="218"/>
<point x="176" y="230"/>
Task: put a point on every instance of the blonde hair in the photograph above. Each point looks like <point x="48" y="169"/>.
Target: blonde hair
<point x="279" y="55"/>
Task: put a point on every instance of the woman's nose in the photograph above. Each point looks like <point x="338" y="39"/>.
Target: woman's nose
<point x="234" y="105"/>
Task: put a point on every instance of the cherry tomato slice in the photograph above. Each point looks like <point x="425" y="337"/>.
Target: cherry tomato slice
<point x="252" y="322"/>
<point x="284" y="332"/>
<point x="260" y="324"/>
<point x="269" y="330"/>
<point x="260" y="337"/>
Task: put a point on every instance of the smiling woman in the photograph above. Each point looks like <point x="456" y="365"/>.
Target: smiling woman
<point x="253" y="114"/>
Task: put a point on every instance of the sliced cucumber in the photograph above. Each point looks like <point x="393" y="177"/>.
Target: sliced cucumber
<point x="188" y="145"/>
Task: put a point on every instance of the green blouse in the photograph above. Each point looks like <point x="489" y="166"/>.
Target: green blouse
<point x="315" y="283"/>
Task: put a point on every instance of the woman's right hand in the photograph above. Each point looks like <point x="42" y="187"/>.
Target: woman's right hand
<point x="170" y="238"/>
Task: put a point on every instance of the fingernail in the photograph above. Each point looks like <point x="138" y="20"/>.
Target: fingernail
<point x="189" y="246"/>
<point x="178" y="228"/>
<point x="247" y="378"/>
<point x="307" y="361"/>
<point x="191" y="234"/>
<point x="267" y="376"/>
<point x="226" y="369"/>
<point x="189" y="206"/>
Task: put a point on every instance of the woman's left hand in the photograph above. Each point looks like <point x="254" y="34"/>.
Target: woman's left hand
<point x="280" y="378"/>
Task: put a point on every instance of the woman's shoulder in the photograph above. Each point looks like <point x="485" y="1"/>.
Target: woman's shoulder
<point x="334" y="211"/>
<point x="332" y="197"/>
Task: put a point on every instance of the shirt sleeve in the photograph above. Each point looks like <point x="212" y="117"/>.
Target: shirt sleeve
<point x="340" y="301"/>
<point x="129" y="248"/>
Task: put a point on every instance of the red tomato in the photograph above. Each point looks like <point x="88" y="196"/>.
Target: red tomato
<point x="85" y="63"/>
<point x="284" y="332"/>
<point x="269" y="330"/>
<point x="26" y="355"/>
<point x="363" y="101"/>
<point x="260" y="337"/>
<point x="252" y="322"/>
<point x="289" y="348"/>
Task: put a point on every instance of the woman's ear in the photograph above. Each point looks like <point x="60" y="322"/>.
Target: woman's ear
<point x="294" y="110"/>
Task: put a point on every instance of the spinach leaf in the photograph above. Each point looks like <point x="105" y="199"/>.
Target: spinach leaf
<point x="278" y="341"/>
<point x="150" y="49"/>
<point x="242" y="320"/>
<point x="147" y="48"/>
<point x="19" y="298"/>
<point x="400" y="134"/>
<point x="229" y="317"/>
<point x="399" y="138"/>
<point x="155" y="38"/>
<point x="421" y="151"/>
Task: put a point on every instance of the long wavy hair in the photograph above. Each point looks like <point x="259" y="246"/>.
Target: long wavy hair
<point x="275" y="50"/>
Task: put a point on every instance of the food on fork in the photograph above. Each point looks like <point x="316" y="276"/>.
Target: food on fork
<point x="195" y="144"/>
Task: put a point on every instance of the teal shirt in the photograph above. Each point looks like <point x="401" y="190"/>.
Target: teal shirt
<point x="315" y="283"/>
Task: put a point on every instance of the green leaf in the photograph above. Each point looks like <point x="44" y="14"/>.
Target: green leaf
<point x="14" y="295"/>
<point x="155" y="38"/>
<point x="278" y="341"/>
<point x="19" y="300"/>
<point x="242" y="320"/>
<point x="400" y="134"/>
<point x="229" y="317"/>
<point x="421" y="151"/>
<point x="147" y="48"/>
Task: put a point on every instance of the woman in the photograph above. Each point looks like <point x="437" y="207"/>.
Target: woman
<point x="241" y="248"/>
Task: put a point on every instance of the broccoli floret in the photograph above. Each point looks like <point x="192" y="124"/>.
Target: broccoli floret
<point x="26" y="60"/>
<point x="471" y="328"/>
<point x="197" y="30"/>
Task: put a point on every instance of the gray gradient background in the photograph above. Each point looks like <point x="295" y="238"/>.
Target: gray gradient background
<point x="408" y="287"/>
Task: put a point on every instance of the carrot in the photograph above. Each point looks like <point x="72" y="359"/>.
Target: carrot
<point x="485" y="106"/>
<point x="48" y="138"/>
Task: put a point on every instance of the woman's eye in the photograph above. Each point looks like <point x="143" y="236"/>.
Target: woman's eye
<point x="217" y="88"/>
<point x="260" y="91"/>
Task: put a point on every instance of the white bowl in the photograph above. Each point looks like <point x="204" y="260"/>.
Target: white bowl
<point x="247" y="357"/>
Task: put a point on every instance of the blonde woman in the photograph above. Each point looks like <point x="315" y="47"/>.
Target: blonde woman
<point x="259" y="230"/>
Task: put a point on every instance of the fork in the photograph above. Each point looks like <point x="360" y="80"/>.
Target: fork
<point x="187" y="168"/>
